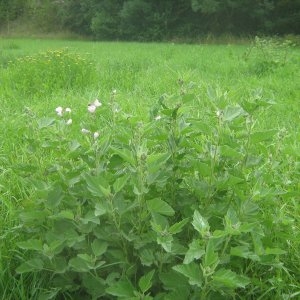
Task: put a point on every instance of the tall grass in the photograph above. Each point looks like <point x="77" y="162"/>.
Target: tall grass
<point x="191" y="101"/>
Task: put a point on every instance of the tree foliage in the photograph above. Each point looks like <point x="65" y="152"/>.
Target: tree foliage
<point x="156" y="20"/>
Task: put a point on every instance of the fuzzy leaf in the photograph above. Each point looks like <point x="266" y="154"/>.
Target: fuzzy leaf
<point x="31" y="265"/>
<point x="177" y="227"/>
<point x="122" y="289"/>
<point x="99" y="247"/>
<point x="192" y="272"/>
<point x="159" y="206"/>
<point x="120" y="183"/>
<point x="229" y="279"/>
<point x="32" y="244"/>
<point x="145" y="281"/>
<point x="97" y="186"/>
<point x="200" y="223"/>
<point x="195" y="251"/>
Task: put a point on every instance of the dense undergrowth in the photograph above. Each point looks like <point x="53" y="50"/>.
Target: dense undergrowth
<point x="140" y="176"/>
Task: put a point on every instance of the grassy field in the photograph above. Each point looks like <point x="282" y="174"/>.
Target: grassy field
<point x="183" y="183"/>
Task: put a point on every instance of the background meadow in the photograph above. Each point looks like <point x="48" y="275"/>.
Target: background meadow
<point x="194" y="177"/>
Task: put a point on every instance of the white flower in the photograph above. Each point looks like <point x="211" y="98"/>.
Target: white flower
<point x="59" y="111"/>
<point x="114" y="92"/>
<point x="69" y="122"/>
<point x="68" y="110"/>
<point x="97" y="103"/>
<point x="219" y="113"/>
<point x="92" y="108"/>
<point x="96" y="135"/>
<point x="85" y="131"/>
<point x="157" y="118"/>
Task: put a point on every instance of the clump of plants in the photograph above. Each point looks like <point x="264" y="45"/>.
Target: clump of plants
<point x="175" y="206"/>
<point x="267" y="54"/>
<point x="48" y="72"/>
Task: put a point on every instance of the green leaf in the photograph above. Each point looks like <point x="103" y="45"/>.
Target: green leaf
<point x="195" y="251"/>
<point x="243" y="251"/>
<point x="47" y="295"/>
<point x="177" y="227"/>
<point x="145" y="281"/>
<point x="262" y="136"/>
<point x="173" y="280"/>
<point x="90" y="217"/>
<point x="192" y="272"/>
<point x="80" y="264"/>
<point x="211" y="256"/>
<point x="97" y="186"/>
<point x="232" y="112"/>
<point x="274" y="251"/>
<point x="165" y="241"/>
<point x="157" y="161"/>
<point x="227" y="151"/>
<point x="122" y="289"/>
<point x="31" y="265"/>
<point x="34" y="216"/>
<point x="99" y="247"/>
<point x="45" y="122"/>
<point x="225" y="278"/>
<point x="159" y="206"/>
<point x="120" y="183"/>
<point x="147" y="257"/>
<point x="32" y="244"/>
<point x="186" y="98"/>
<point x="94" y="285"/>
<point x="125" y="154"/>
<point x="64" y="214"/>
<point x="100" y="209"/>
<point x="200" y="224"/>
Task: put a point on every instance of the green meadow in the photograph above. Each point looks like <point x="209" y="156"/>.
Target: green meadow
<point x="149" y="170"/>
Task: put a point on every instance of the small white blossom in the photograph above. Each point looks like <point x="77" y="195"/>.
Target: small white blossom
<point x="219" y="113"/>
<point x="85" y="131"/>
<point x="157" y="118"/>
<point x="114" y="92"/>
<point x="97" y="103"/>
<point x="69" y="122"/>
<point x="68" y="110"/>
<point x="59" y="111"/>
<point x="92" y="108"/>
<point x="96" y="135"/>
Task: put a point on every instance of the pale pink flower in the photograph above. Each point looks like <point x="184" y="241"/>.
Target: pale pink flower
<point x="59" y="111"/>
<point x="92" y="108"/>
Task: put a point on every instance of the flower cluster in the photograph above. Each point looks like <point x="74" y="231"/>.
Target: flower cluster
<point x="61" y="111"/>
<point x="93" y="106"/>
<point x="86" y="131"/>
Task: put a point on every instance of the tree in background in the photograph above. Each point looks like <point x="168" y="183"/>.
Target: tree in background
<point x="156" y="20"/>
<point x="10" y="11"/>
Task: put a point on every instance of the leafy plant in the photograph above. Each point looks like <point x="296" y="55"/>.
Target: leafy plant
<point x="166" y="208"/>
<point x="268" y="53"/>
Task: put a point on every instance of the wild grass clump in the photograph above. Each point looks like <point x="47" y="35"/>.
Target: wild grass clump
<point x="267" y="54"/>
<point x="48" y="72"/>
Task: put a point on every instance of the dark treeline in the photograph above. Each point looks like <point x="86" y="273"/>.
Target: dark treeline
<point x="155" y="19"/>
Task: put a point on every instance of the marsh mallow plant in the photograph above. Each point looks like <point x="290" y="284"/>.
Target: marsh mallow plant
<point x="174" y="207"/>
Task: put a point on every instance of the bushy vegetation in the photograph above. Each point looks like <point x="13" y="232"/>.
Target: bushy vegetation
<point x="153" y="20"/>
<point x="154" y="178"/>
